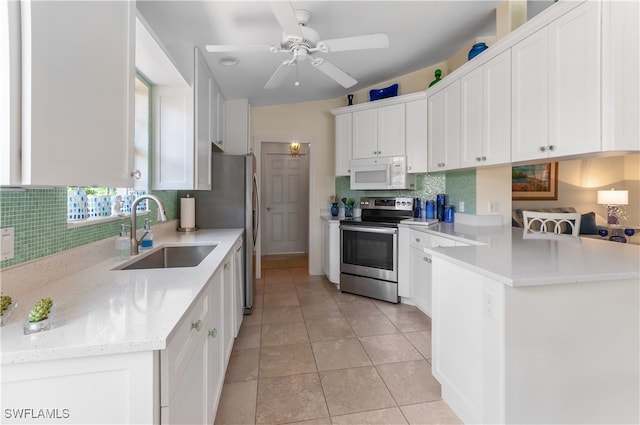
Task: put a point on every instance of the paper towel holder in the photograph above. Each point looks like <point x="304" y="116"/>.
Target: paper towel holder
<point x="187" y="229"/>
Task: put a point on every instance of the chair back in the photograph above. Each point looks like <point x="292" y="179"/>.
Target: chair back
<point x="552" y="222"/>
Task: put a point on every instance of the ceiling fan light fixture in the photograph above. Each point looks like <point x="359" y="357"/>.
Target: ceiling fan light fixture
<point x="228" y="61"/>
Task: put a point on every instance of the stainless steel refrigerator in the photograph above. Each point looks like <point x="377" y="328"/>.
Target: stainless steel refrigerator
<point x="232" y="202"/>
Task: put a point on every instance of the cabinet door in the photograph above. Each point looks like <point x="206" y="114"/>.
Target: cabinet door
<point x="204" y="90"/>
<point x="416" y="136"/>
<point x="472" y="118"/>
<point x="190" y="402"/>
<point x="326" y="255"/>
<point x="444" y="129"/>
<point x="344" y="134"/>
<point x="391" y="130"/>
<point x="420" y="276"/>
<point x="365" y="134"/>
<point x="215" y="350"/>
<point x="217" y="116"/>
<point x="529" y="109"/>
<point x="238" y="282"/>
<point x="78" y="72"/>
<point x="497" y="110"/>
<point x="620" y="70"/>
<point x="574" y="81"/>
<point x="228" y="294"/>
<point x="172" y="139"/>
<point x="236" y="128"/>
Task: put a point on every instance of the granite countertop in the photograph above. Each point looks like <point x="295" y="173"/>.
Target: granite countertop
<point x="100" y="311"/>
<point x="510" y="256"/>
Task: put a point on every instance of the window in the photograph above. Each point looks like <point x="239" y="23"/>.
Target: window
<point x="91" y="204"/>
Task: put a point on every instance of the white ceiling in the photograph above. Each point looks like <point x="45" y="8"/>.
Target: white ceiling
<point x="421" y="33"/>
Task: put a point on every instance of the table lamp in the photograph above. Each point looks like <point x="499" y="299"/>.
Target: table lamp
<point x="613" y="199"/>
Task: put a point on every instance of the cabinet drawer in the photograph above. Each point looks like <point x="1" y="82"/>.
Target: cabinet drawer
<point x="188" y="335"/>
<point x="418" y="239"/>
<point x="436" y="241"/>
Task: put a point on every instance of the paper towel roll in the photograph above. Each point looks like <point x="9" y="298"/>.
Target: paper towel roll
<point x="188" y="213"/>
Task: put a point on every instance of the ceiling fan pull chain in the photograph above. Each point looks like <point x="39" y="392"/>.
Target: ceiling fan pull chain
<point x="297" y="83"/>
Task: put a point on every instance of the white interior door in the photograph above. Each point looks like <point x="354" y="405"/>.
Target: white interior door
<point x="285" y="203"/>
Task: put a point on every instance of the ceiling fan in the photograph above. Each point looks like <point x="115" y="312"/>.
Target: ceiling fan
<point x="301" y="42"/>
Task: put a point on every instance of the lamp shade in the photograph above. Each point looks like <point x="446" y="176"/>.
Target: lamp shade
<point x="613" y="197"/>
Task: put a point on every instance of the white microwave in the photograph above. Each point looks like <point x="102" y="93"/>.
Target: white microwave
<point x="381" y="173"/>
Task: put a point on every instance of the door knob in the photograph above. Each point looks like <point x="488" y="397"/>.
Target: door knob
<point x="268" y="208"/>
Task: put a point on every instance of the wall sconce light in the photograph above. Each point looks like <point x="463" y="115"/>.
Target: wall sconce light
<point x="613" y="199"/>
<point x="294" y="149"/>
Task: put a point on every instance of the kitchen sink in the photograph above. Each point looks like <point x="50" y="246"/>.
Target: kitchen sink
<point x="170" y="257"/>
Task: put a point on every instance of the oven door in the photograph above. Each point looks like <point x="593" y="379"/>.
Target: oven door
<point x="369" y="251"/>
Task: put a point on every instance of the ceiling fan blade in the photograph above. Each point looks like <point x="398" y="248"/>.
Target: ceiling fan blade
<point x="341" y="77"/>
<point x="215" y="48"/>
<point x="281" y="73"/>
<point x="284" y="13"/>
<point x="371" y="41"/>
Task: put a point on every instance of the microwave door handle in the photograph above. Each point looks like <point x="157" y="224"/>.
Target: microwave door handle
<point x="387" y="230"/>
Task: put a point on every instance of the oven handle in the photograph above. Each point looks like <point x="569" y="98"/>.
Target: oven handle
<point x="386" y="230"/>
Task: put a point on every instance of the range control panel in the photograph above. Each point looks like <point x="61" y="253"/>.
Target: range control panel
<point x="399" y="203"/>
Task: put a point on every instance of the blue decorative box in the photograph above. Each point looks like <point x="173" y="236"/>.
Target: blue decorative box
<point x="377" y="94"/>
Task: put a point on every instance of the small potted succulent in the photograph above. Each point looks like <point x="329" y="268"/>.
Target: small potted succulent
<point x="39" y="317"/>
<point x="6" y="308"/>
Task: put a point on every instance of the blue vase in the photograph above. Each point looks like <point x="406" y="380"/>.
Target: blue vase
<point x="334" y="209"/>
<point x="348" y="210"/>
<point x="629" y="232"/>
<point x="477" y="49"/>
<point x="603" y="232"/>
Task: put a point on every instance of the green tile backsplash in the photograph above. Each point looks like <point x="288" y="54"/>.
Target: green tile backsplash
<point x="458" y="185"/>
<point x="39" y="219"/>
<point x="461" y="186"/>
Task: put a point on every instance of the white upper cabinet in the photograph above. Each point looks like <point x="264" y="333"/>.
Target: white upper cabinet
<point x="365" y="134"/>
<point x="205" y="132"/>
<point x="416" y="136"/>
<point x="236" y="138"/>
<point x="343" y="143"/>
<point x="574" y="89"/>
<point x="184" y="133"/>
<point x="379" y="132"/>
<point x="485" y="112"/>
<point x="530" y="106"/>
<point x="444" y="128"/>
<point x="556" y="87"/>
<point x="620" y="71"/>
<point x="77" y="93"/>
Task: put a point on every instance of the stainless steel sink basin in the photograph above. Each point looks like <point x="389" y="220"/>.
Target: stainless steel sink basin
<point x="171" y="256"/>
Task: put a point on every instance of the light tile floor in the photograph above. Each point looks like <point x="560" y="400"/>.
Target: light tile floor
<point x="311" y="354"/>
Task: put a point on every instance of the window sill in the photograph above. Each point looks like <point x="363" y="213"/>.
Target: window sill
<point x="98" y="220"/>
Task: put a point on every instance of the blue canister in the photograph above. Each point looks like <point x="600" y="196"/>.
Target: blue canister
<point x="430" y="207"/>
<point x="440" y="201"/>
<point x="448" y="214"/>
<point x="417" y="208"/>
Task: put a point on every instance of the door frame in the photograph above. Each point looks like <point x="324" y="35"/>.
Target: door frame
<point x="312" y="176"/>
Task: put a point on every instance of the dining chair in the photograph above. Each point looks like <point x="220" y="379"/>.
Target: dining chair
<point x="552" y="222"/>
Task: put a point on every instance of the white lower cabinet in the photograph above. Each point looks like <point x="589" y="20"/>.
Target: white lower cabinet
<point x="238" y="286"/>
<point x="331" y="250"/>
<point x="420" y="271"/>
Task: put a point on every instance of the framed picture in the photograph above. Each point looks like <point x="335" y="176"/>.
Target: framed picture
<point x="534" y="182"/>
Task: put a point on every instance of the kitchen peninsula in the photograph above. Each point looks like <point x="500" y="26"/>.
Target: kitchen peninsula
<point x="535" y="328"/>
<point x="128" y="346"/>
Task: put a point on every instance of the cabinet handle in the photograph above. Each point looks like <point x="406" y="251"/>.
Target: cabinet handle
<point x="136" y="174"/>
<point x="478" y="158"/>
<point x="484" y="158"/>
<point x="551" y="147"/>
<point x="197" y="325"/>
<point x="213" y="333"/>
<point x="226" y="266"/>
<point x="427" y="259"/>
<point x="418" y="240"/>
<point x="542" y="149"/>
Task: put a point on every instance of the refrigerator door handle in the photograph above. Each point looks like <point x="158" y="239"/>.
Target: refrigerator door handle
<point x="256" y="222"/>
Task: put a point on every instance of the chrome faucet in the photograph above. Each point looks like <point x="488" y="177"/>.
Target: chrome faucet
<point x="135" y="243"/>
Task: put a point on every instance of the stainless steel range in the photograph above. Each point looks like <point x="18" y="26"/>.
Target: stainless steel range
<point x="369" y="248"/>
